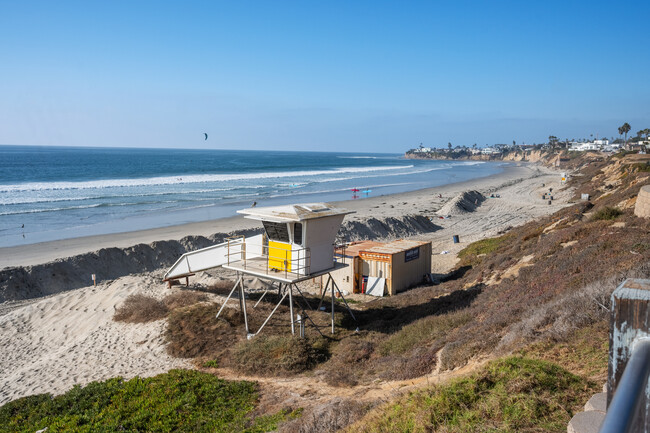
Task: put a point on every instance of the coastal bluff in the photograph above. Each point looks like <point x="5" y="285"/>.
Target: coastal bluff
<point x="539" y="156"/>
<point x="28" y="282"/>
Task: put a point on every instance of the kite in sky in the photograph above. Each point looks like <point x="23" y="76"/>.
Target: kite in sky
<point x="206" y="135"/>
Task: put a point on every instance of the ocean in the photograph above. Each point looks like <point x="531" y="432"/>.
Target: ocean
<point x="51" y="193"/>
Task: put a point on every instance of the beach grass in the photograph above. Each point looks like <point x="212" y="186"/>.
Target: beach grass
<point x="471" y="254"/>
<point x="422" y="332"/>
<point x="607" y="213"/>
<point x="276" y="355"/>
<point x="180" y="401"/>
<point x="512" y="394"/>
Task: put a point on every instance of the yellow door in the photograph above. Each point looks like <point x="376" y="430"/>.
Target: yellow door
<point x="279" y="254"/>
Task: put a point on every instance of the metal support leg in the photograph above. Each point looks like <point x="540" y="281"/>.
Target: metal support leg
<point x="346" y="302"/>
<point x="272" y="312"/>
<point x="267" y="319"/>
<point x="305" y="316"/>
<point x="293" y="327"/>
<point x="332" y="307"/>
<point x="242" y="296"/>
<point x="263" y="295"/>
<point x="323" y="294"/>
<point x="228" y="298"/>
<point x="303" y="297"/>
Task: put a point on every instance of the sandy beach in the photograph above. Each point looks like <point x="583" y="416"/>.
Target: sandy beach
<point x="51" y="343"/>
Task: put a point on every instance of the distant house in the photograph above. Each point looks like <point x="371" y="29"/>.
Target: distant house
<point x="490" y="151"/>
<point x="582" y="147"/>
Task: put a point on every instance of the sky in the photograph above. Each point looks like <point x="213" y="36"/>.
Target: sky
<point x="357" y="76"/>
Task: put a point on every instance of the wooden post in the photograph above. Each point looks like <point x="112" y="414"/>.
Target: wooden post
<point x="629" y="324"/>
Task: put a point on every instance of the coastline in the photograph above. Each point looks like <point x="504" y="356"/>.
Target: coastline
<point x="43" y="252"/>
<point x="66" y="336"/>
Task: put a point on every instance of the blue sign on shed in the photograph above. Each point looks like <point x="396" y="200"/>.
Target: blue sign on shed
<point x="411" y="254"/>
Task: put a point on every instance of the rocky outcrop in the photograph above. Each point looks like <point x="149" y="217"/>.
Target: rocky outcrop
<point x="642" y="206"/>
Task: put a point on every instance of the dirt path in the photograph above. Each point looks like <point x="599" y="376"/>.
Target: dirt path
<point x="308" y="391"/>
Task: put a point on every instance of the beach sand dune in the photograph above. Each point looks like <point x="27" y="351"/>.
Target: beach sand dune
<point x="59" y="341"/>
<point x="464" y="202"/>
<point x="51" y="343"/>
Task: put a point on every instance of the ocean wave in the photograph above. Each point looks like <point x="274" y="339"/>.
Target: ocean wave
<point x="31" y="211"/>
<point x="22" y="200"/>
<point x="88" y="206"/>
<point x="175" y="180"/>
<point x="338" y="179"/>
<point x="330" y="191"/>
<point x="466" y="163"/>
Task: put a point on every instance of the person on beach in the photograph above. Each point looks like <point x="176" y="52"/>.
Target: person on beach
<point x="254" y="204"/>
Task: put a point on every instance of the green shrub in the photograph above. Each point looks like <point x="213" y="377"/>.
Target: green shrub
<point x="607" y="213"/>
<point x="485" y="246"/>
<point x="181" y="401"/>
<point x="624" y="153"/>
<point x="274" y="355"/>
<point x="194" y="331"/>
<point x="422" y="332"/>
<point x="641" y="167"/>
<point x="140" y="309"/>
<point x="183" y="299"/>
<point x="211" y="364"/>
<point x="508" y="395"/>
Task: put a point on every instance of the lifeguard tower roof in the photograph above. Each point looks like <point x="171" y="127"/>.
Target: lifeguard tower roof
<point x="293" y="212"/>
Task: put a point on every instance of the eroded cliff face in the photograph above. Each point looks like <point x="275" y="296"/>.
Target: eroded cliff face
<point x="530" y="156"/>
<point x="544" y="157"/>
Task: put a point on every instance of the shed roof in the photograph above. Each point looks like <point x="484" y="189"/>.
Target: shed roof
<point x="395" y="247"/>
<point x="293" y="212"/>
<point x="354" y="249"/>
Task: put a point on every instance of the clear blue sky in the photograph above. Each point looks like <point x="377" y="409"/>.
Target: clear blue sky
<point x="328" y="75"/>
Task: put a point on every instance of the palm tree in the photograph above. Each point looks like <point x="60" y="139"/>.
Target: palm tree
<point x="643" y="132"/>
<point x="624" y="130"/>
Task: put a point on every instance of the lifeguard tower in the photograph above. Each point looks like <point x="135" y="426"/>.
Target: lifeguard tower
<point x="297" y="245"/>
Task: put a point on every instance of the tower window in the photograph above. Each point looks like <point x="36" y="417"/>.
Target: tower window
<point x="276" y="231"/>
<point x="297" y="233"/>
